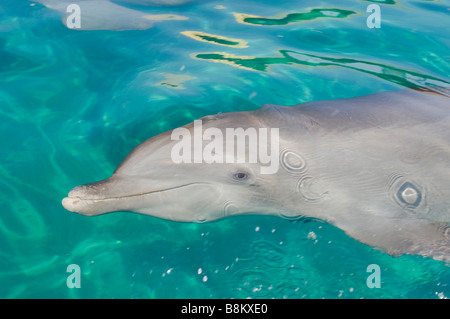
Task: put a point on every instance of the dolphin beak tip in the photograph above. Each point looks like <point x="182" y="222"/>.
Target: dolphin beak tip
<point x="69" y="203"/>
<point x="82" y="200"/>
<point x="79" y="206"/>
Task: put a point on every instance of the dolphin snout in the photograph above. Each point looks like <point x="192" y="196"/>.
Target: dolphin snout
<point x="91" y="199"/>
<point x="95" y="190"/>
<point x="80" y="206"/>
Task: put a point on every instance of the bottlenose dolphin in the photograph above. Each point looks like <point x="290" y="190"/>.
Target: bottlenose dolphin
<point x="376" y="166"/>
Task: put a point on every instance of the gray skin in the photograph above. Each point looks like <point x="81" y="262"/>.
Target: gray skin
<point x="377" y="167"/>
<point x="106" y="15"/>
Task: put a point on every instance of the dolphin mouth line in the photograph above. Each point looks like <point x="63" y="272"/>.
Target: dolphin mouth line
<point x="132" y="195"/>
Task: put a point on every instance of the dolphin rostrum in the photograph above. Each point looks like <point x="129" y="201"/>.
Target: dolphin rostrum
<point x="376" y="166"/>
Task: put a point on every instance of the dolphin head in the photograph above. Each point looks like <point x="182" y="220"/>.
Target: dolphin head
<point x="183" y="176"/>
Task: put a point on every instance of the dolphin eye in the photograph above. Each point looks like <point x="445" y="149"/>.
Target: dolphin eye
<point x="240" y="176"/>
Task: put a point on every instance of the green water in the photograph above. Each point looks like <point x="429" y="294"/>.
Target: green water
<point x="74" y="103"/>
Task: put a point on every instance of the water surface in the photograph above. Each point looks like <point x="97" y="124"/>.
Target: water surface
<point x="74" y="103"/>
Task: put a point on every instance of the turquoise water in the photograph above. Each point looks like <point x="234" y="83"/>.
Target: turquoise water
<point x="75" y="102"/>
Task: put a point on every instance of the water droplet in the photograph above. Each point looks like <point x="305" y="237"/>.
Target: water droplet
<point x="409" y="194"/>
<point x="311" y="235"/>
<point x="293" y="162"/>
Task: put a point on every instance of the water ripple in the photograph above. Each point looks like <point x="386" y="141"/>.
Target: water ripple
<point x="269" y="254"/>
<point x="386" y="72"/>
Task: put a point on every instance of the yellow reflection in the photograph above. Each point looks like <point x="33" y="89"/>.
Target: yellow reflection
<point x="294" y="17"/>
<point x="215" y="39"/>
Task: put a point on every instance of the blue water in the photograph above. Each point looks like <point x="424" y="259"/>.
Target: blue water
<point x="73" y="103"/>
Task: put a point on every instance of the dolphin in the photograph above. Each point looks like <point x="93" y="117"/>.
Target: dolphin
<point x="375" y="166"/>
